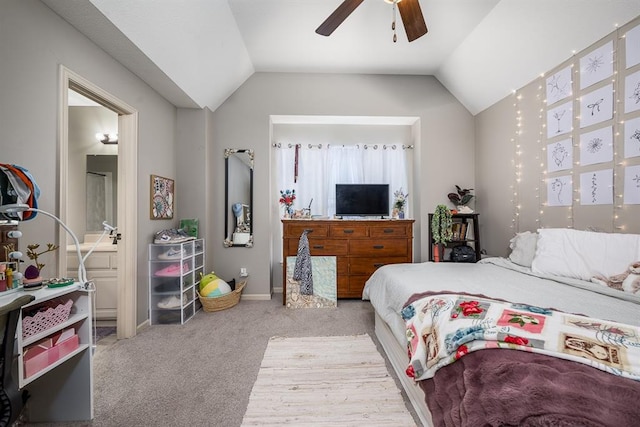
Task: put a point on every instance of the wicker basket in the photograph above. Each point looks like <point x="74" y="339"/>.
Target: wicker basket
<point x="223" y="302"/>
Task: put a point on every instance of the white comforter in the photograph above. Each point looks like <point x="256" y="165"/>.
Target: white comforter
<point x="390" y="287"/>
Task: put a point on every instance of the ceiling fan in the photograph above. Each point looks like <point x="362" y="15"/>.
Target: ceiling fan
<point x="410" y="13"/>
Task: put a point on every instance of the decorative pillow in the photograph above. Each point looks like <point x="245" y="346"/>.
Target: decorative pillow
<point x="523" y="248"/>
<point x="584" y="254"/>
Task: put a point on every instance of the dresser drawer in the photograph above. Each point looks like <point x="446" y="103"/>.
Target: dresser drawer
<point x="343" y="286"/>
<point x="391" y="230"/>
<point x="348" y="230"/>
<point x="295" y="229"/>
<point x="319" y="247"/>
<point x="355" y="287"/>
<point x="367" y="266"/>
<point x="379" y="247"/>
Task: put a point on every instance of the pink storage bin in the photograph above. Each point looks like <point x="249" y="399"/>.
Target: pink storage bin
<point x="46" y="318"/>
<point x="67" y="346"/>
<point x="39" y="356"/>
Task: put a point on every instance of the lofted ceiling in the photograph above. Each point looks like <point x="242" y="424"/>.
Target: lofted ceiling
<point x="196" y="53"/>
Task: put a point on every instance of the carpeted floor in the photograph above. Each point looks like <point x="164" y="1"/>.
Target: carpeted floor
<point x="201" y="373"/>
<point x="337" y="380"/>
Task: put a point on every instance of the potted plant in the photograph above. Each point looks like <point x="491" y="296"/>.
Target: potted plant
<point x="461" y="198"/>
<point x="440" y="230"/>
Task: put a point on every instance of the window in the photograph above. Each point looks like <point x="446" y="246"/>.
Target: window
<point x="314" y="170"/>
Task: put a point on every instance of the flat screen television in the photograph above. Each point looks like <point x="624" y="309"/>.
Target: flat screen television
<point x="362" y="200"/>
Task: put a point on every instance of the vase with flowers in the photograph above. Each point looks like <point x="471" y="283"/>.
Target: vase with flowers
<point x="399" y="202"/>
<point x="287" y="197"/>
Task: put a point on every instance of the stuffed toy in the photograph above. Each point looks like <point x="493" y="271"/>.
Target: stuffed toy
<point x="629" y="281"/>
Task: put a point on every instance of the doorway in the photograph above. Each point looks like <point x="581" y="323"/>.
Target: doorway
<point x="126" y="200"/>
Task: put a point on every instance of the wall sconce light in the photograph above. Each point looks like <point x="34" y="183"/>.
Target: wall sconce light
<point x="107" y="138"/>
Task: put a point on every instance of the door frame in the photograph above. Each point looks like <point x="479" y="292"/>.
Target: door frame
<point x="127" y="195"/>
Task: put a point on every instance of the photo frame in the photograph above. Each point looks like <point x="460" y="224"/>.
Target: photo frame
<point x="161" y="206"/>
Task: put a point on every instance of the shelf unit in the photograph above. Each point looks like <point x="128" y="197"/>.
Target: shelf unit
<point x="471" y="238"/>
<point x="173" y="282"/>
<point x="63" y="389"/>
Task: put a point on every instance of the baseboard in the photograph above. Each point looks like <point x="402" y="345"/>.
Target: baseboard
<point x="143" y="325"/>
<point x="256" y="297"/>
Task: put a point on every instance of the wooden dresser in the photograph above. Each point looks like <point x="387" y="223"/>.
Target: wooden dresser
<point x="360" y="247"/>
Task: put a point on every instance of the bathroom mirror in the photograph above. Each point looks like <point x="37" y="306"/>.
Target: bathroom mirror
<point x="101" y="191"/>
<point x="238" y="198"/>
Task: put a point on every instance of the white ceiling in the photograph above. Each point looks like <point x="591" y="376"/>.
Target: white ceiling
<point x="198" y="52"/>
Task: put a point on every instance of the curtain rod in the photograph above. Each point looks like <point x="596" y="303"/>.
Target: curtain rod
<point x="365" y="146"/>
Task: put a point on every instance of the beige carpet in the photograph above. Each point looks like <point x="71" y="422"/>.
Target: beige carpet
<point x="329" y="381"/>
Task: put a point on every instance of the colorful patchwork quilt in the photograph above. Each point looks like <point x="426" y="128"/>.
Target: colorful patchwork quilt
<point x="443" y="328"/>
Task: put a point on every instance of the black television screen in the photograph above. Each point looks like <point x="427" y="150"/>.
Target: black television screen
<point x="362" y="199"/>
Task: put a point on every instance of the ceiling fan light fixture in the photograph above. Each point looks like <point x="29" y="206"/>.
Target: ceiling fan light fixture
<point x="410" y="12"/>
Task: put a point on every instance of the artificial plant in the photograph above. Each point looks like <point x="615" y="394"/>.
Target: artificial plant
<point x="33" y="254"/>
<point x="461" y="197"/>
<point x="441" y="224"/>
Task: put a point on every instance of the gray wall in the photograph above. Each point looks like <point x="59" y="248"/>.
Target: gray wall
<point x="510" y="141"/>
<point x="35" y="42"/>
<point x="193" y="187"/>
<point x="443" y="155"/>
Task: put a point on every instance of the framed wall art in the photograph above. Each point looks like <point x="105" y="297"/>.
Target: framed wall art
<point x="161" y="197"/>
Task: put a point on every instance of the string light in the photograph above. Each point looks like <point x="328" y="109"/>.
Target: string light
<point x="524" y="130"/>
<point x="517" y="163"/>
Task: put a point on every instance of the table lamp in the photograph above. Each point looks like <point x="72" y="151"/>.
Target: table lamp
<point x="18" y="207"/>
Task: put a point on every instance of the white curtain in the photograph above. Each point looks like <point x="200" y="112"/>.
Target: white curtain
<point x="321" y="168"/>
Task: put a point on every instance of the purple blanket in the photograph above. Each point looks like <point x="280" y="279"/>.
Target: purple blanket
<point x="498" y="387"/>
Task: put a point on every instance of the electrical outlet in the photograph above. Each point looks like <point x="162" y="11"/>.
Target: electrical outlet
<point x="243" y="272"/>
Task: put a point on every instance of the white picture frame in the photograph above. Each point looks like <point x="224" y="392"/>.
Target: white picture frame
<point x="632" y="47"/>
<point x="560" y="120"/>
<point x="596" y="106"/>
<point x="632" y="185"/>
<point x="632" y="138"/>
<point x="596" y="187"/>
<point x="560" y="191"/>
<point x="632" y="92"/>
<point x="597" y="65"/>
<point x="559" y="86"/>
<point x="596" y="146"/>
<point x="560" y="155"/>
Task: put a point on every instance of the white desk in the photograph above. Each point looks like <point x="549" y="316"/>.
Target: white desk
<point x="63" y="391"/>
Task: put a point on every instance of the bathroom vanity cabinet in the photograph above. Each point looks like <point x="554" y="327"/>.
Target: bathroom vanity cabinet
<point x="102" y="270"/>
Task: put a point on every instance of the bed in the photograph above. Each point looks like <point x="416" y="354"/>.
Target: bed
<point x="551" y="269"/>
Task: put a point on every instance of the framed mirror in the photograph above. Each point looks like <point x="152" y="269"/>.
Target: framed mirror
<point x="238" y="198"/>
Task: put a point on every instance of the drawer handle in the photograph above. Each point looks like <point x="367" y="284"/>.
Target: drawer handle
<point x="348" y="231"/>
<point x="388" y="230"/>
<point x="378" y="264"/>
<point x="318" y="246"/>
<point x="378" y="246"/>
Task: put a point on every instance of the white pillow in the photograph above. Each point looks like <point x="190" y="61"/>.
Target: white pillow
<point x="523" y="248"/>
<point x="584" y="254"/>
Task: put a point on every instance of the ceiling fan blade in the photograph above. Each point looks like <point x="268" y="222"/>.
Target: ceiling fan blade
<point x="412" y="19"/>
<point x="337" y="17"/>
